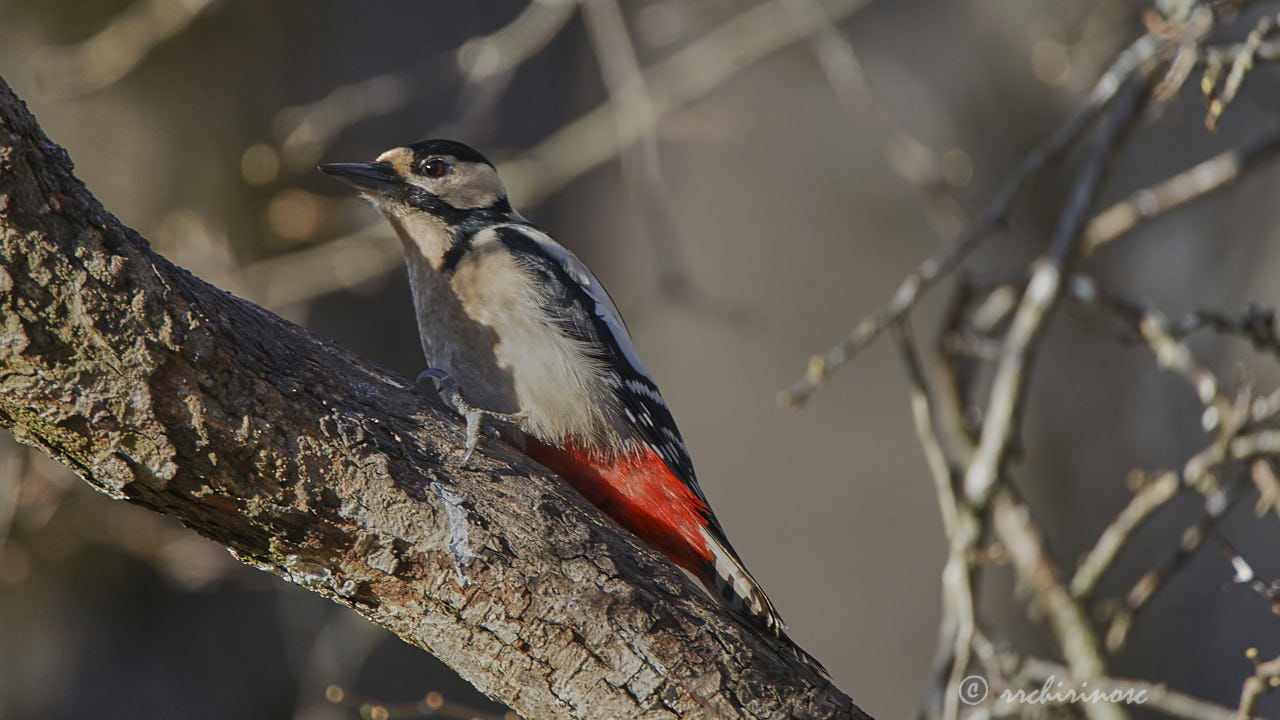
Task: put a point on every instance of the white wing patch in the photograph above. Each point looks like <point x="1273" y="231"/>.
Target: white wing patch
<point x="642" y="413"/>
<point x="605" y="308"/>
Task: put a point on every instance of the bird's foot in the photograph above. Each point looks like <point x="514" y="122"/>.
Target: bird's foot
<point x="452" y="396"/>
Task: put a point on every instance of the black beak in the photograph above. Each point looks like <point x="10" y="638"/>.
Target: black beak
<point x="366" y="176"/>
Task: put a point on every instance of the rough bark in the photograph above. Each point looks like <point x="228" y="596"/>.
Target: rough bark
<point x="313" y="464"/>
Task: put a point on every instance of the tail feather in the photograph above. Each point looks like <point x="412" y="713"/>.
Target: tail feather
<point x="742" y="594"/>
<point x="737" y="588"/>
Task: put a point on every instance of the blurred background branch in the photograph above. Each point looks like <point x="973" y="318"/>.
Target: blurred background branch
<point x="115" y="50"/>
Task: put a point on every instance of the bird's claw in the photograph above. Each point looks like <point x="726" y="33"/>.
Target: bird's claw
<point x="474" y="416"/>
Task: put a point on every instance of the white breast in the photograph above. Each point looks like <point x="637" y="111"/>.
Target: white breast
<point x="486" y="326"/>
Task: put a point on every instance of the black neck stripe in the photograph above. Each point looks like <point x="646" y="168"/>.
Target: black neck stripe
<point x="464" y="224"/>
<point x="462" y="244"/>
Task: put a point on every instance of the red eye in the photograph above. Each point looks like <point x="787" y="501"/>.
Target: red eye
<point x="435" y="168"/>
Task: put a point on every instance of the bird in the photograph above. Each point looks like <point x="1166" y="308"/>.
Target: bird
<point x="517" y="329"/>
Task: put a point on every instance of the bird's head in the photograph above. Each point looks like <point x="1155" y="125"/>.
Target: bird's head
<point x="443" y="178"/>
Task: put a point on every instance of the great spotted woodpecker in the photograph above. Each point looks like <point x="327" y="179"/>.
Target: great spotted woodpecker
<point x="520" y="328"/>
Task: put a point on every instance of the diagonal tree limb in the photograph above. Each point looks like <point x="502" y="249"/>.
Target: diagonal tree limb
<point x="330" y="472"/>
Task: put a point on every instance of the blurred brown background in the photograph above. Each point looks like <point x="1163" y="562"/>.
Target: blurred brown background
<point x="199" y="124"/>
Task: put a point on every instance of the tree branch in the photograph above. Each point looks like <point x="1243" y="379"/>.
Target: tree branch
<point x="315" y="465"/>
<point x="954" y="252"/>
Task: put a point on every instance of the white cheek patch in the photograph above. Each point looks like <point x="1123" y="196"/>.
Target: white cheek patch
<point x="468" y="186"/>
<point x="424" y="183"/>
<point x="474" y="186"/>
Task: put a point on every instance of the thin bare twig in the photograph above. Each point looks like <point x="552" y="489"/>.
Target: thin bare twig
<point x="1221" y="414"/>
<point x="1241" y="63"/>
<point x="1151" y="582"/>
<point x="941" y="468"/>
<point x="1266" y="677"/>
<point x="949" y="257"/>
<point x="1042" y="294"/>
<point x="1011" y="519"/>
<point x="1185" y="34"/>
<point x="1217" y="57"/>
<point x="1255" y="445"/>
<point x="953" y="382"/>
<point x="1243" y="574"/>
<point x="1151" y="496"/>
<point x="1264" y="479"/>
<point x="1256" y="324"/>
<point x="1173" y="192"/>
<point x="958" y="625"/>
<point x="1181" y="30"/>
